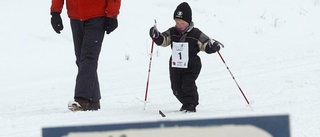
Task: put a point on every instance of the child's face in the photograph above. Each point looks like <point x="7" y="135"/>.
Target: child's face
<point x="181" y="24"/>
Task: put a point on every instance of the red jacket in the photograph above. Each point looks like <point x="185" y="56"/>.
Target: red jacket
<point x="86" y="9"/>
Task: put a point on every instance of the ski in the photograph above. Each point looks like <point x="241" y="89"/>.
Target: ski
<point x="161" y="113"/>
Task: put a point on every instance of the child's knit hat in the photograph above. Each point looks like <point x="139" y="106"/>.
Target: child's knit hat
<point x="183" y="12"/>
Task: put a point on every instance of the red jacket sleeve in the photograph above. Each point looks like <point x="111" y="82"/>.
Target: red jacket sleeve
<point x="57" y="5"/>
<point x="113" y="8"/>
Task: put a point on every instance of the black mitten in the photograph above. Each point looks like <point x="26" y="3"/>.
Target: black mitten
<point x="56" y="22"/>
<point x="111" y="24"/>
<point x="215" y="46"/>
<point x="154" y="33"/>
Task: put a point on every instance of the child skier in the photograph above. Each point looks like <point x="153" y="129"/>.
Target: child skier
<point x="185" y="65"/>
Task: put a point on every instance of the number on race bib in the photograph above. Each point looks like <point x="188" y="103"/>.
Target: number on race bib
<point x="180" y="54"/>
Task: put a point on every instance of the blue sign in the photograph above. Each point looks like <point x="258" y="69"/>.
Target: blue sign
<point x="260" y="126"/>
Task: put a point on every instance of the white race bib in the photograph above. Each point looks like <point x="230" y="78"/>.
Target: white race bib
<point x="180" y="54"/>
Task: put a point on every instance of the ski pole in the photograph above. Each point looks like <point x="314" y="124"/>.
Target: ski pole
<point x="147" y="85"/>
<point x="244" y="96"/>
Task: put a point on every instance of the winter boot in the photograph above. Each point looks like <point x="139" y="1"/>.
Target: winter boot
<point x="188" y="108"/>
<point x="94" y="105"/>
<point x="183" y="107"/>
<point x="79" y="104"/>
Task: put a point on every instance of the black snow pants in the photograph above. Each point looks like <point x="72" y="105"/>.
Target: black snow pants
<point x="183" y="81"/>
<point x="87" y="38"/>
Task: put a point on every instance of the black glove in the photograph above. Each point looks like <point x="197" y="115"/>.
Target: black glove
<point x="154" y="33"/>
<point x="111" y="24"/>
<point x="215" y="46"/>
<point x="56" y="22"/>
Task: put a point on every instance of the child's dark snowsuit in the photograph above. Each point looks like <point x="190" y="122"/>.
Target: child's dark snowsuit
<point x="184" y="65"/>
<point x="183" y="79"/>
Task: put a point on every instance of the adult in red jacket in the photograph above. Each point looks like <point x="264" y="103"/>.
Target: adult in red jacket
<point x="89" y="20"/>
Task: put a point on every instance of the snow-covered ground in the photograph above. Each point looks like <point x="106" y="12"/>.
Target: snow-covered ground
<point x="272" y="48"/>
